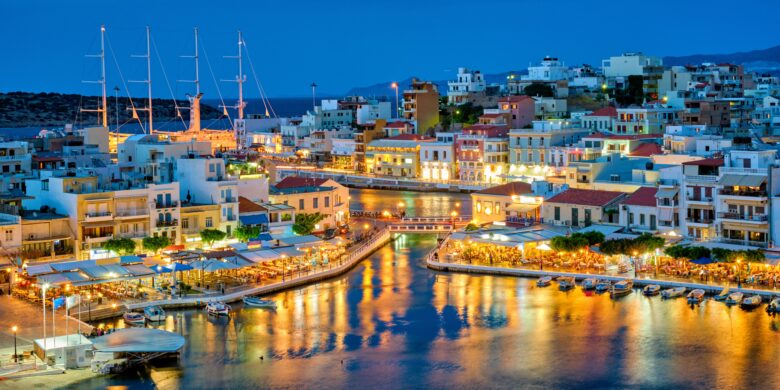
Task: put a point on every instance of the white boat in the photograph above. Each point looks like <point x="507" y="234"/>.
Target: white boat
<point x="673" y="292"/>
<point x="134" y="318"/>
<point x="734" y="298"/>
<point x="651" y="289"/>
<point x="751" y="302"/>
<point x="603" y="286"/>
<point x="257" y="302"/>
<point x="773" y="306"/>
<point x="696" y="296"/>
<point x="566" y="282"/>
<point x="589" y="283"/>
<point x="217" y="308"/>
<point x="544" y="281"/>
<point x="722" y="295"/>
<point x="623" y="287"/>
<point x="154" y="313"/>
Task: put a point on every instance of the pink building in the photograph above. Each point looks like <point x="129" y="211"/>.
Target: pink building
<point x="521" y="110"/>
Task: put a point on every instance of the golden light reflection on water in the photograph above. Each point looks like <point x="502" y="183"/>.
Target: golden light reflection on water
<point x="393" y="322"/>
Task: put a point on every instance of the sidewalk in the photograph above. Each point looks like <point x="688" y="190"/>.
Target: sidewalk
<point x="28" y="318"/>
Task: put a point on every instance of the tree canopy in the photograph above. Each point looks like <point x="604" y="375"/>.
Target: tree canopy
<point x="538" y="89"/>
<point x="210" y="236"/>
<point x="120" y="246"/>
<point x="730" y="256"/>
<point x="305" y="223"/>
<point x="245" y="233"/>
<point x="155" y="244"/>
<point x="687" y="252"/>
<point x="471" y="227"/>
<point x="630" y="246"/>
<point x="576" y="241"/>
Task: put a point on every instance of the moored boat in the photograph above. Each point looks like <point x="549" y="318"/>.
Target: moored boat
<point x="134" y="318"/>
<point x="589" y="284"/>
<point x="566" y="282"/>
<point x="218" y="308"/>
<point x="154" y="313"/>
<point x="257" y="302"/>
<point x="544" y="281"/>
<point x="621" y="288"/>
<point x="696" y="296"/>
<point x="722" y="295"/>
<point x="673" y="292"/>
<point x="773" y="306"/>
<point x="651" y="289"/>
<point x="603" y="286"/>
<point x="734" y="298"/>
<point x="751" y="302"/>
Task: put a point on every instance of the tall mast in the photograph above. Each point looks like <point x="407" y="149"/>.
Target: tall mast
<point x="148" y="80"/>
<point x="194" y="100"/>
<point x="240" y="78"/>
<point x="103" y="108"/>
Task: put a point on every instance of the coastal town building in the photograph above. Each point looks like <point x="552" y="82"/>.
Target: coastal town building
<point x="396" y="156"/>
<point x="512" y="202"/>
<point x="580" y="208"/>
<point x="421" y="105"/>
<point x="467" y="82"/>
<point x="309" y="196"/>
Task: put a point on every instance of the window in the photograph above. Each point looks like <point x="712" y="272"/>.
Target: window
<point x="9" y="235"/>
<point x="209" y="222"/>
<point x="557" y="213"/>
<point x="641" y="219"/>
<point x="185" y="223"/>
<point x="316" y="203"/>
<point x="327" y="201"/>
<point x="300" y="204"/>
<point x="211" y="168"/>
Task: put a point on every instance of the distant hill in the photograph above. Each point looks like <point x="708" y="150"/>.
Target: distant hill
<point x="22" y="109"/>
<point x="383" y="88"/>
<point x="756" y="60"/>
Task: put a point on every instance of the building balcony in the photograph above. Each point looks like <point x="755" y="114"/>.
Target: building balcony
<point x="668" y="182"/>
<point x="131" y="213"/>
<point x="759" y="244"/>
<point x="98" y="239"/>
<point x="230" y="199"/>
<point x="666" y="202"/>
<point x="642" y="228"/>
<point x="705" y="200"/>
<point x="98" y="216"/>
<point x="665" y="223"/>
<point x="133" y="235"/>
<point x="701" y="178"/>
<point x="741" y="171"/>
<point x="747" y="194"/>
<point x="166" y="205"/>
<point x="700" y="222"/>
<point x="164" y="224"/>
<point x="737" y="217"/>
<point x="230" y="218"/>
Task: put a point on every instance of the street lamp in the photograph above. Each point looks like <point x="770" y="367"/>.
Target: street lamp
<point x="16" y="355"/>
<point x="635" y="270"/>
<point x="43" y="305"/>
<point x="394" y="85"/>
<point x="454" y="215"/>
<point x="284" y="266"/>
<point x="739" y="273"/>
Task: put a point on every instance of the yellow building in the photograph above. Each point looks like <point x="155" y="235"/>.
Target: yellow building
<point x="511" y="202"/>
<point x="310" y="196"/>
<point x="196" y="218"/>
<point x="396" y="157"/>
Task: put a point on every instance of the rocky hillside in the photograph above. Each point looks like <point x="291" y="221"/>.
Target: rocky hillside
<point x="26" y="109"/>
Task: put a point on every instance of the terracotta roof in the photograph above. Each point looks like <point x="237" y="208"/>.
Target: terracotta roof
<point x="646" y="150"/>
<point x="398" y="125"/>
<point x="586" y="197"/>
<point x="707" y="162"/>
<point x="624" y="136"/>
<point x="491" y="115"/>
<point x="605" y="111"/>
<point x="509" y="189"/>
<point x="644" y="196"/>
<point x="514" y="98"/>
<point x="410" y="137"/>
<point x="297" y="181"/>
<point x="247" y="206"/>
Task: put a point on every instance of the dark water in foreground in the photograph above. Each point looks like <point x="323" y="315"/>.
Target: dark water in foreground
<point x="396" y="324"/>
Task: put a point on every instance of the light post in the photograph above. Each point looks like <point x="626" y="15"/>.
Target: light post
<point x="43" y="305"/>
<point x="454" y="215"/>
<point x="16" y="355"/>
<point x="284" y="266"/>
<point x="739" y="273"/>
<point x="635" y="267"/>
<point x="89" y="306"/>
<point x="394" y="85"/>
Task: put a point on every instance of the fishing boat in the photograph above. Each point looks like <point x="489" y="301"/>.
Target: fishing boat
<point x="544" y="281"/>
<point x="603" y="286"/>
<point x="651" y="289"/>
<point x="673" y="292"/>
<point x="589" y="284"/>
<point x="217" y="308"/>
<point x="696" y="296"/>
<point x="257" y="302"/>
<point x="566" y="282"/>
<point x="623" y="287"/>
<point x="734" y="298"/>
<point x="751" y="302"/>
<point x="134" y="318"/>
<point x="722" y="295"/>
<point x="154" y="313"/>
<point x="773" y="306"/>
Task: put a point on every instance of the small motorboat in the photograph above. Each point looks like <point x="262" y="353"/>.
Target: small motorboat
<point x="603" y="286"/>
<point x="651" y="289"/>
<point x="589" y="283"/>
<point x="734" y="298"/>
<point x="773" y="306"/>
<point x="696" y="296"/>
<point x="673" y="292"/>
<point x="621" y="288"/>
<point x="134" y="318"/>
<point x="154" y="313"/>
<point x="751" y="302"/>
<point x="722" y="295"/>
<point x="566" y="282"/>
<point x="217" y="308"/>
<point x="544" y="281"/>
<point x="257" y="302"/>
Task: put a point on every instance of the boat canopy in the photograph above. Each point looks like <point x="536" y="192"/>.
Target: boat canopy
<point x="139" y="340"/>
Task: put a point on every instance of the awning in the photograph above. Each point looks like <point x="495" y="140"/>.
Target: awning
<point x="260" y="256"/>
<point x="522" y="207"/>
<point x="39" y="269"/>
<point x="289" y="251"/>
<point x="742" y="180"/>
<point x="730" y="180"/>
<point x="666" y="193"/>
<point x="302" y="241"/>
<point x="52" y="279"/>
<point x="606" y="230"/>
<point x="71" y="265"/>
<point x="139" y="340"/>
<point x="132" y="259"/>
<point x="138" y="269"/>
<point x="251" y="220"/>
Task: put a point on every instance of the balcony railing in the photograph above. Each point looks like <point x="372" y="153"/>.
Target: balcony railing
<point x="230" y="199"/>
<point x="699" y="198"/>
<point x="701" y="178"/>
<point x="705" y="221"/>
<point x="132" y="213"/>
<point x="173" y="222"/>
<point x="98" y="216"/>
<point x="740" y="217"/>
<point x="166" y="205"/>
<point x="230" y="218"/>
<point x="753" y="193"/>
<point x="665" y="202"/>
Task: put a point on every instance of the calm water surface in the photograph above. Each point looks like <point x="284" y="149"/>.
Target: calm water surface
<point x="396" y="324"/>
<point x="416" y="204"/>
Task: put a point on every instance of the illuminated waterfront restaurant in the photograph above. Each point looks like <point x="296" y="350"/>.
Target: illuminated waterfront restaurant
<point x="510" y="203"/>
<point x="396" y="156"/>
<point x="524" y="240"/>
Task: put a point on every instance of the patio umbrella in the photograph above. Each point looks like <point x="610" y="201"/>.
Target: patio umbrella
<point x="702" y="261"/>
<point x="177" y="267"/>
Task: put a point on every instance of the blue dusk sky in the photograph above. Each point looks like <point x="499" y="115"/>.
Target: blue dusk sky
<point x="342" y="44"/>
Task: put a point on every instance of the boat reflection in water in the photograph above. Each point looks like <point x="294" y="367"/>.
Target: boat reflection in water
<point x="393" y="321"/>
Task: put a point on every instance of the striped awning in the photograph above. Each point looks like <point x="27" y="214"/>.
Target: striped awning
<point x="742" y="180"/>
<point x="666" y="193"/>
